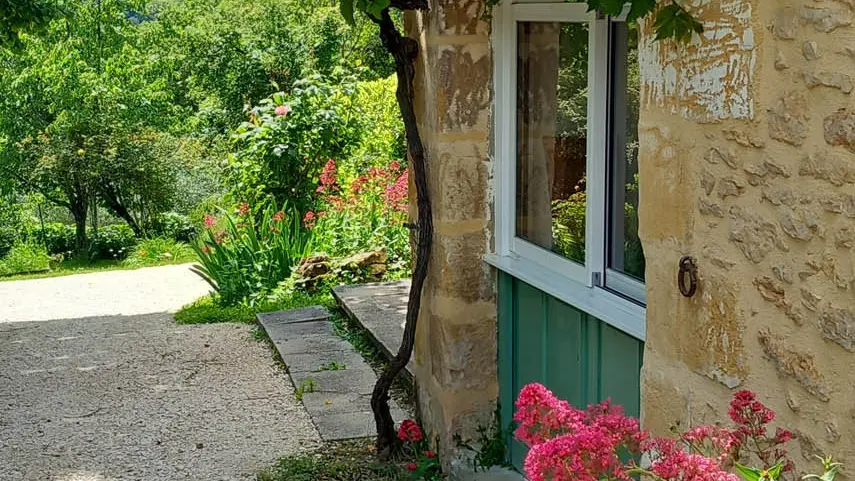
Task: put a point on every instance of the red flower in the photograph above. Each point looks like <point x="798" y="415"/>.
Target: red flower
<point x="412" y="467"/>
<point x="209" y="221"/>
<point x="395" y="165"/>
<point x="279" y="216"/>
<point x="282" y="110"/>
<point x="410" y="431"/>
<point x="430" y="454"/>
<point x="243" y="209"/>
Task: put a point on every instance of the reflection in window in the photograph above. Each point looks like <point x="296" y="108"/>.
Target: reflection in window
<point x="624" y="251"/>
<point x="552" y="116"/>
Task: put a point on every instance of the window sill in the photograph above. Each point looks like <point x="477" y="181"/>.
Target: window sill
<point x="610" y="308"/>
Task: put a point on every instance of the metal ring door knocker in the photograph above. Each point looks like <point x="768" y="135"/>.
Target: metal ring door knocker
<point x="687" y="277"/>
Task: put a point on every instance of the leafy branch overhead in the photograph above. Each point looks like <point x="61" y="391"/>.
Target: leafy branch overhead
<point x="670" y="21"/>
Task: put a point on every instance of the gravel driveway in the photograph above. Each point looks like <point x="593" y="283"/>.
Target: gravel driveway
<point x="101" y="398"/>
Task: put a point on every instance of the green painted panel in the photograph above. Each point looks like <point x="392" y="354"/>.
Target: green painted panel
<point x="577" y="356"/>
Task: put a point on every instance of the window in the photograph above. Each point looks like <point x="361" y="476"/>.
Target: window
<point x="567" y="94"/>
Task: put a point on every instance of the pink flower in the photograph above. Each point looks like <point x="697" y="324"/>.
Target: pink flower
<point x="243" y="209"/>
<point x="395" y="165"/>
<point x="309" y="219"/>
<point x="279" y="216"/>
<point x="282" y="110"/>
<point x="396" y="194"/>
<point x="430" y="454"/>
<point x="209" y="221"/>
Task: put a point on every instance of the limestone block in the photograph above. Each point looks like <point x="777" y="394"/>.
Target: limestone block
<point x="832" y="167"/>
<point x="788" y="119"/>
<point x="798" y="365"/>
<point x="825" y="19"/>
<point x="754" y="234"/>
<point x="840" y="129"/>
<point x="829" y="79"/>
<point x="810" y="49"/>
<point x="838" y="325"/>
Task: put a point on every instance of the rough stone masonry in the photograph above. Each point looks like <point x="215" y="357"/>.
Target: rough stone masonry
<point x="747" y="148"/>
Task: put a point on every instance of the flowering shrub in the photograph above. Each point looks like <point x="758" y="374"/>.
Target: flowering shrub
<point x="244" y="257"/>
<point x="426" y="465"/>
<point x="599" y="443"/>
<point x="280" y="150"/>
<point x="367" y="214"/>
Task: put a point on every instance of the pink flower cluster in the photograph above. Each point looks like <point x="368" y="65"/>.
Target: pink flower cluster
<point x="396" y="194"/>
<point x="588" y="445"/>
<point x="329" y="177"/>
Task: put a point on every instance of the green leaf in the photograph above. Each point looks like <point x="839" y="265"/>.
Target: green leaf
<point x="673" y="21"/>
<point x="607" y="7"/>
<point x="640" y="8"/>
<point x="775" y="471"/>
<point x="375" y="7"/>
<point x="748" y="473"/>
<point x="346" y="7"/>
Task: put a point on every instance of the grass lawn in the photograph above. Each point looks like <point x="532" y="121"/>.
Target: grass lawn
<point x="77" y="266"/>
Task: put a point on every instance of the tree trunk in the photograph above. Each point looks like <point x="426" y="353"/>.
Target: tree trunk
<point x="405" y="50"/>
<point x="114" y="202"/>
<point x="79" y="211"/>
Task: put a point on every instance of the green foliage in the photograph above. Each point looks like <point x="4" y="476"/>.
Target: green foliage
<point x="111" y="242"/>
<point x="568" y="225"/>
<point x="57" y="237"/>
<point x="381" y="130"/>
<point x="332" y="366"/>
<point x="157" y="251"/>
<point x="491" y="446"/>
<point x="208" y="310"/>
<point x="174" y="226"/>
<point x="308" y="385"/>
<point x="368" y="214"/>
<point x="280" y="150"/>
<point x="23" y="16"/>
<point x="244" y="259"/>
<point x="673" y="21"/>
<point x="339" y="462"/>
<point x="24" y="258"/>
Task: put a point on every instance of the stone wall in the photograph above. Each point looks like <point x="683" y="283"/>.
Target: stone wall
<point x="455" y="350"/>
<point x="747" y="140"/>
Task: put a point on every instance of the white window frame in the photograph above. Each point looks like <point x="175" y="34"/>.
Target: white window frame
<point x="571" y="282"/>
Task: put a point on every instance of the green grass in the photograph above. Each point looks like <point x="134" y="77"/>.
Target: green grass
<point x="346" y="461"/>
<point x="137" y="259"/>
<point x="208" y="310"/>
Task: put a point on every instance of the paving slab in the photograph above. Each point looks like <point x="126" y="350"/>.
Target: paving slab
<point x="359" y="379"/>
<point x="380" y="308"/>
<point x="308" y="362"/>
<point x="293" y="316"/>
<point x="339" y="402"/>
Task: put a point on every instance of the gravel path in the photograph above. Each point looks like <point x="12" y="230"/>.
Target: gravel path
<point x="137" y="397"/>
<point x="109" y="293"/>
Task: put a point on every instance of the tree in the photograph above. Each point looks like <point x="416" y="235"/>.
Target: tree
<point x="23" y="16"/>
<point x="73" y="103"/>
<point x="672" y="21"/>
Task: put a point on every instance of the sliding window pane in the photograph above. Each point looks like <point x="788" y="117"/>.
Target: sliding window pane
<point x="552" y="113"/>
<point x="625" y="253"/>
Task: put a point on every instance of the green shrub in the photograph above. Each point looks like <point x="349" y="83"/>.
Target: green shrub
<point x="57" y="237"/>
<point x="173" y="225"/>
<point x="243" y="259"/>
<point x="111" y="242"/>
<point x="24" y="257"/>
<point x="280" y="150"/>
<point x="381" y="128"/>
<point x="160" y="250"/>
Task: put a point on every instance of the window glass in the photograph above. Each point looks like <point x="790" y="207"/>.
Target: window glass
<point x="624" y="250"/>
<point x="552" y="116"/>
